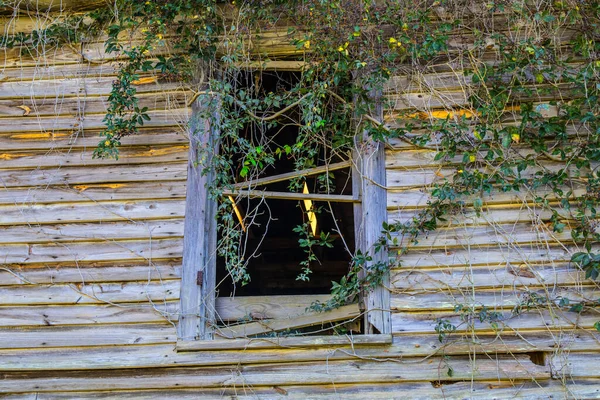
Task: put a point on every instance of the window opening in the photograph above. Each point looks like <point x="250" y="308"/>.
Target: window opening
<point x="295" y="235"/>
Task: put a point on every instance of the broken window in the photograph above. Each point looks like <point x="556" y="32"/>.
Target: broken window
<point x="286" y="232"/>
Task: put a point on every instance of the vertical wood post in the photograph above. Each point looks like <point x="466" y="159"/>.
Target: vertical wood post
<point x="370" y="165"/>
<point x="197" y="303"/>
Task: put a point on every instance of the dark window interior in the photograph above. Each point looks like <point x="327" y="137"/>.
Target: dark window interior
<point x="271" y="245"/>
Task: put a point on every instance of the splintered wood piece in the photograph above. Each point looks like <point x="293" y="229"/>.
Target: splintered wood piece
<point x="290" y="196"/>
<point x="291" y="175"/>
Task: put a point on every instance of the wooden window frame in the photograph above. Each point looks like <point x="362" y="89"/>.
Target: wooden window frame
<point x="198" y="303"/>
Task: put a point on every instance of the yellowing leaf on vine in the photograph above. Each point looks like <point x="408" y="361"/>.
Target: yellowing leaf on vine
<point x="477" y="135"/>
<point x="145" y="80"/>
<point x="307" y="44"/>
<point x="26" y="110"/>
<point x="515" y="137"/>
<point x="472" y="158"/>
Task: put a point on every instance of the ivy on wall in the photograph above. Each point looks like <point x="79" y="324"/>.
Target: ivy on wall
<point x="526" y="120"/>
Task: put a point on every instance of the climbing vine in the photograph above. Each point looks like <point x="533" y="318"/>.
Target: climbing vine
<point x="526" y="119"/>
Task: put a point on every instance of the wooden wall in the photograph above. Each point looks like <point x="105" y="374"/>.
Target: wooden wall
<point x="90" y="248"/>
<point x="90" y="256"/>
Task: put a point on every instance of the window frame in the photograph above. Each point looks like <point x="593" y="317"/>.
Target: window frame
<point x="197" y="314"/>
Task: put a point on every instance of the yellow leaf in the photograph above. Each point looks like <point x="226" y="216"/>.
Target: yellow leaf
<point x="145" y="80"/>
<point x="307" y="44"/>
<point x="515" y="137"/>
<point x="26" y="110"/>
<point x="472" y="158"/>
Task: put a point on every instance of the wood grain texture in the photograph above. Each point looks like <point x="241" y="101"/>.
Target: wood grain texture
<point x="84" y="106"/>
<point x="76" y="212"/>
<point x="83" y="175"/>
<point x="370" y="160"/>
<point x="538" y="318"/>
<point x="517" y="234"/>
<point x="82" y="293"/>
<point x="491" y="390"/>
<point x="86" y="336"/>
<point x="58" y="88"/>
<point x="32" y="316"/>
<point x="502" y="299"/>
<point x="290" y="322"/>
<point x="490" y="255"/>
<point x="148" y="250"/>
<point x="68" y="158"/>
<point x="198" y="280"/>
<point x="574" y="366"/>
<point x="86" y="232"/>
<point x="92" y="192"/>
<point x="84" y="273"/>
<point x="264" y="307"/>
<point x="76" y="139"/>
<point x="49" y="71"/>
<point x="417" y="198"/>
<point x="493" y="216"/>
<point x="259" y="374"/>
<point x="283" y="342"/>
<point x="520" y="276"/>
<point x="77" y="123"/>
<point x="428" y="175"/>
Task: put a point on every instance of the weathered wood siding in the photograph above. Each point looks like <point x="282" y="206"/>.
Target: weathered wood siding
<point x="90" y="249"/>
<point x="90" y="266"/>
<point x="494" y="260"/>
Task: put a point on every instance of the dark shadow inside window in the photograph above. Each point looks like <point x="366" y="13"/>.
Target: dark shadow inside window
<point x="270" y="245"/>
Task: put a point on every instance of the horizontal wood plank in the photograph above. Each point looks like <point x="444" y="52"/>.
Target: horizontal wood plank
<point x="283" y="342"/>
<point x="429" y="175"/>
<point x="86" y="293"/>
<point x="158" y="118"/>
<point x="148" y="250"/>
<point x="86" y="212"/>
<point x="59" y="88"/>
<point x="574" y="366"/>
<point x="492" y="390"/>
<point x="504" y="299"/>
<point x="489" y="256"/>
<point x="538" y="318"/>
<point x="93" y="192"/>
<point x="43" y="140"/>
<point x="69" y="158"/>
<point x="261" y="374"/>
<point x="85" y="336"/>
<point x="294" y="322"/>
<point x="418" y="197"/>
<point x="49" y="71"/>
<point x="83" y="175"/>
<point x="84" y="107"/>
<point x="517" y="235"/>
<point x="264" y="307"/>
<point x="31" y="316"/>
<point x="520" y="276"/>
<point x="491" y="215"/>
<point x="102" y="231"/>
<point x="82" y="273"/>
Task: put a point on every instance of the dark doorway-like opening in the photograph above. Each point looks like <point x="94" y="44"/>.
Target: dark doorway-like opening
<point x="272" y="242"/>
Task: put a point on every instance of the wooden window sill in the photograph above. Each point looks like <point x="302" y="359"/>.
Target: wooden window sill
<point x="283" y="342"/>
